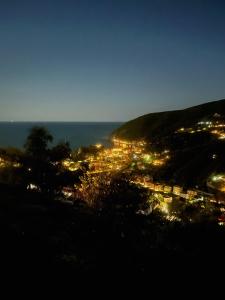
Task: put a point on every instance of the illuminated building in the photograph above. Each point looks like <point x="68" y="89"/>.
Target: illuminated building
<point x="32" y="186"/>
<point x="151" y="185"/>
<point x="191" y="194"/>
<point x="177" y="190"/>
<point x="158" y="187"/>
<point x="167" y="199"/>
<point x="68" y="191"/>
<point x="167" y="189"/>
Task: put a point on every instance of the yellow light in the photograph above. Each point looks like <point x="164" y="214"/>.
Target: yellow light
<point x="221" y="223"/>
<point x="98" y="146"/>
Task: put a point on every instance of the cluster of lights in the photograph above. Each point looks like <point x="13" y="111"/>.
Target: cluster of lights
<point x="123" y="154"/>
<point x="218" y="182"/>
<point x="219" y="134"/>
<point x="164" y="189"/>
<point x="214" y="128"/>
<point x="70" y="165"/>
<point x="98" y="146"/>
<point x="218" y="178"/>
<point x="4" y="163"/>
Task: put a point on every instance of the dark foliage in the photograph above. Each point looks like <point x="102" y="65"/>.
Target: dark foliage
<point x="38" y="233"/>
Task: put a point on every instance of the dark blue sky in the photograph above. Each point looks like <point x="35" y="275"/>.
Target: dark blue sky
<point x="108" y="60"/>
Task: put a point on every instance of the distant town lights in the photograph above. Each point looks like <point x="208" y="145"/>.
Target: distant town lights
<point x="98" y="146"/>
<point x="217" y="177"/>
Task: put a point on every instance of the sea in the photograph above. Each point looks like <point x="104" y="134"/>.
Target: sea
<point x="13" y="134"/>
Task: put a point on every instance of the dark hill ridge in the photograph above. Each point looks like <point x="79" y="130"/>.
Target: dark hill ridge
<point x="161" y="124"/>
<point x="194" y="158"/>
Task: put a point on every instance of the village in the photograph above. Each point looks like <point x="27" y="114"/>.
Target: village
<point x="131" y="157"/>
<point x="135" y="158"/>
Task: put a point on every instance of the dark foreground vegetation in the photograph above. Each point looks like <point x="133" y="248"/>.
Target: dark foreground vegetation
<point x="39" y="233"/>
<point x="101" y="230"/>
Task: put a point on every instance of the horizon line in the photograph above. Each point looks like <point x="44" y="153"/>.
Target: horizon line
<point x="15" y="121"/>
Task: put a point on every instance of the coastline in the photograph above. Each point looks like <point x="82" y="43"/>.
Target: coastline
<point x="13" y="134"/>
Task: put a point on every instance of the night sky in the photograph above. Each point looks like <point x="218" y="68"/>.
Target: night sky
<point x="108" y="60"/>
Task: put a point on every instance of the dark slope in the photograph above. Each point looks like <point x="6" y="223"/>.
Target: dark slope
<point x="194" y="157"/>
<point x="164" y="123"/>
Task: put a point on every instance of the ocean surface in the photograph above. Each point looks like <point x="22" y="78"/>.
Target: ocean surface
<point x="76" y="133"/>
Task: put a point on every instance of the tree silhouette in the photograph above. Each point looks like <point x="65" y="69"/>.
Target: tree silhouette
<point x="60" y="152"/>
<point x="37" y="142"/>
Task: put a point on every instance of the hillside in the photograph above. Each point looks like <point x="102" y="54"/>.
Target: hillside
<point x="164" y="123"/>
<point x="197" y="150"/>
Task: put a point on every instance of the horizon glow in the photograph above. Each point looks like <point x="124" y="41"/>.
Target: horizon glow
<point x="108" y="60"/>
